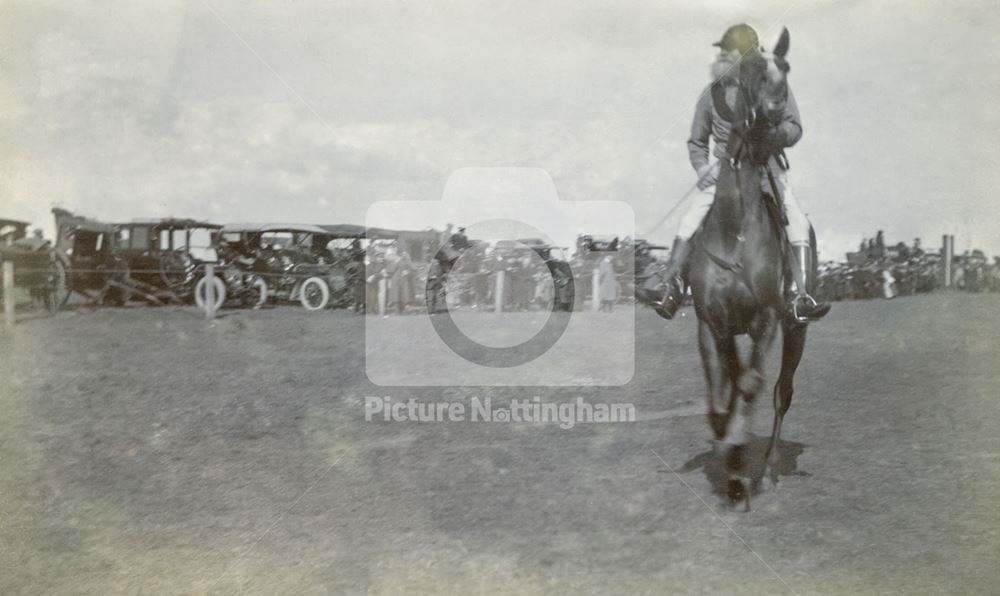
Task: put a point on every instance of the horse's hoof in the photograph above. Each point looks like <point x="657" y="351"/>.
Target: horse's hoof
<point x="736" y="490"/>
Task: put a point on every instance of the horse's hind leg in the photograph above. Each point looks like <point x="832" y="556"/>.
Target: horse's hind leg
<point x="793" y="344"/>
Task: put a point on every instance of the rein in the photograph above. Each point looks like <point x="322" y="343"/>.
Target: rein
<point x="731" y="266"/>
<point x="738" y="149"/>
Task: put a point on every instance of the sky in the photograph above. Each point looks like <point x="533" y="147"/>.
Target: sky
<point x="313" y="111"/>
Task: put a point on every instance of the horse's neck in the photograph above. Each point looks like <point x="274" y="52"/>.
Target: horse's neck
<point x="727" y="210"/>
<point x="736" y="204"/>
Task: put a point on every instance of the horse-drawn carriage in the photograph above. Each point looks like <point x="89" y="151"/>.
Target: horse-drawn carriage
<point x="86" y="249"/>
<point x="36" y="268"/>
<point x="159" y="261"/>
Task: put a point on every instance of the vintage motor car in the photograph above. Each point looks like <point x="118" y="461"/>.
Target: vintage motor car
<point x="559" y="268"/>
<point x="235" y="281"/>
<point x="298" y="262"/>
<point x="557" y="295"/>
<point x="166" y="257"/>
<point x="36" y="268"/>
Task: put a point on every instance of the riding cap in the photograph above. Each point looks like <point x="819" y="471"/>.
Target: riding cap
<point x="741" y="37"/>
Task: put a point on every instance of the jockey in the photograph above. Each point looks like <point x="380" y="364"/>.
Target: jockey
<point x="708" y="124"/>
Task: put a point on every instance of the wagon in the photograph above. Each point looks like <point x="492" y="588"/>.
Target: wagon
<point x="36" y="268"/>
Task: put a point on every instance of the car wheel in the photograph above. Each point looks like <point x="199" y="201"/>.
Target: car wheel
<point x="256" y="293"/>
<point x="314" y="294"/>
<point x="218" y="288"/>
<point x="60" y="286"/>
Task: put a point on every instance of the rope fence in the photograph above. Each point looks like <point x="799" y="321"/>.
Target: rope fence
<point x="211" y="270"/>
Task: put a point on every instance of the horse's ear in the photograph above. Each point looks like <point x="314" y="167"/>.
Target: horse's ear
<point x="782" y="46"/>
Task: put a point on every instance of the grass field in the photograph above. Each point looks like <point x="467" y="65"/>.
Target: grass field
<point x="144" y="451"/>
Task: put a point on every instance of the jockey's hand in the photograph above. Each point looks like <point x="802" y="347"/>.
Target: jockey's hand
<point x="760" y="134"/>
<point x="776" y="137"/>
<point x="772" y="136"/>
<point x="707" y="175"/>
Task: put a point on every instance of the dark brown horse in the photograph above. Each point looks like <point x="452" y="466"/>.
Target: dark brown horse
<point x="737" y="275"/>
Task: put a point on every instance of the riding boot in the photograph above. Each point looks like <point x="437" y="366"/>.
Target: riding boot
<point x="674" y="293"/>
<point x="804" y="307"/>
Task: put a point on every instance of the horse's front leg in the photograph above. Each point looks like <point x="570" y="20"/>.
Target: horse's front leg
<point x="748" y="385"/>
<point x="762" y="333"/>
<point x="792" y="345"/>
<point x="717" y="378"/>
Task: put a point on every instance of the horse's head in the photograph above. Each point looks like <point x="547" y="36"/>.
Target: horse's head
<point x="763" y="83"/>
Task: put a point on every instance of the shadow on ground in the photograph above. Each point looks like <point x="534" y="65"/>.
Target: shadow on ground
<point x="715" y="473"/>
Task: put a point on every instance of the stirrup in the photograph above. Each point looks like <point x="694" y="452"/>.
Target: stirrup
<point x="667" y="307"/>
<point x="811" y="302"/>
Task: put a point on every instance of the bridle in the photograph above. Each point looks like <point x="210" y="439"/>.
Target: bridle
<point x="740" y="143"/>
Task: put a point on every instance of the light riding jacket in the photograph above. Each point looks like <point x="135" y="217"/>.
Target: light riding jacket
<point x="708" y="123"/>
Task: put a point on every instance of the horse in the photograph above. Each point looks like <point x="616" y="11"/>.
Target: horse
<point x="737" y="275"/>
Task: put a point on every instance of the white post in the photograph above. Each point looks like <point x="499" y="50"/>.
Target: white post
<point x="209" y="291"/>
<point x="382" y="296"/>
<point x="947" y="256"/>
<point x="498" y="293"/>
<point x="8" y="293"/>
<point x="595" y="290"/>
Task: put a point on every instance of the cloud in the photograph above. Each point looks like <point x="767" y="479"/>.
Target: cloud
<point x="124" y="110"/>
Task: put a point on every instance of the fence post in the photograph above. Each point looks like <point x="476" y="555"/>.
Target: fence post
<point x="498" y="293"/>
<point x="595" y="290"/>
<point x="947" y="256"/>
<point x="8" y="293"/>
<point x="382" y="296"/>
<point x="209" y="291"/>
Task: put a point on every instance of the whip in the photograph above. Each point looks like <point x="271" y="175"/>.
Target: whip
<point x="682" y="199"/>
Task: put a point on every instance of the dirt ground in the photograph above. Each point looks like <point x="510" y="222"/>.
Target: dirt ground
<point x="143" y="451"/>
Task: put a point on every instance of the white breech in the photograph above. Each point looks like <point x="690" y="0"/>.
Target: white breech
<point x="701" y="202"/>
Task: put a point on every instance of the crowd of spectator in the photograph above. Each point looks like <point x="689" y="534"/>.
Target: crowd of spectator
<point x="880" y="271"/>
<point x="467" y="275"/>
<point x="537" y="276"/>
